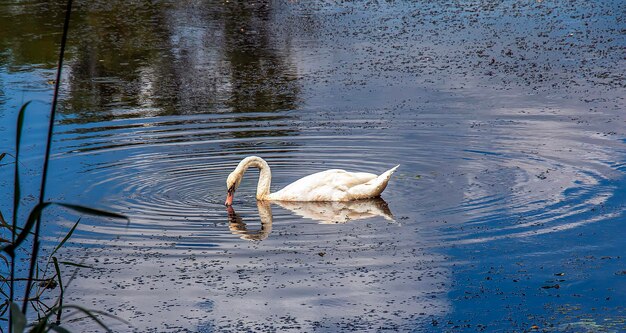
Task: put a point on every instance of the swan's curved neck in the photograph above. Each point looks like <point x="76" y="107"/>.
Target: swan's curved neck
<point x="265" y="175"/>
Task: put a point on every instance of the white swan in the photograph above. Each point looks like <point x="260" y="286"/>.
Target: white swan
<point x="329" y="185"/>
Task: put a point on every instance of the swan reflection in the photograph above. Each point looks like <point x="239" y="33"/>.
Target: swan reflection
<point x="238" y="227"/>
<point x="322" y="212"/>
<point x="339" y="211"/>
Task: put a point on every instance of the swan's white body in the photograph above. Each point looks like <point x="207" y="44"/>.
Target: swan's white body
<point x="329" y="185"/>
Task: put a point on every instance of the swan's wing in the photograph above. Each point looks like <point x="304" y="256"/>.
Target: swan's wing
<point x="329" y="185"/>
<point x="344" y="180"/>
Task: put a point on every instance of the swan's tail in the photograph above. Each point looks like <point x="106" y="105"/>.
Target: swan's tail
<point x="374" y="187"/>
<point x="387" y="174"/>
<point x="383" y="179"/>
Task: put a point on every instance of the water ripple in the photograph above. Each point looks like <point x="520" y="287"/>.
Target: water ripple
<point x="506" y="179"/>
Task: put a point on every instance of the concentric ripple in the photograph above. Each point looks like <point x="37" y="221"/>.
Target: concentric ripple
<point x="489" y="179"/>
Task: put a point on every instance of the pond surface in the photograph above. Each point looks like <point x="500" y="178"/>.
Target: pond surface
<point x="507" y="118"/>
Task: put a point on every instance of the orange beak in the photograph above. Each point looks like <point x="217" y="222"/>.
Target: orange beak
<point x="229" y="197"/>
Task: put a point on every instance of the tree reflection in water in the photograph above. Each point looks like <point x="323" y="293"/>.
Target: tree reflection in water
<point x="138" y="59"/>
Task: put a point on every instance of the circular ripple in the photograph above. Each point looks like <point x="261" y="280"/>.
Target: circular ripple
<point x="488" y="179"/>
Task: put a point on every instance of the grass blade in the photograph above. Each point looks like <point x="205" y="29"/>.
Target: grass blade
<point x="3" y="309"/>
<point x="58" y="329"/>
<point x="58" y="270"/>
<point x="46" y="159"/>
<point x="69" y="263"/>
<point x="32" y="217"/>
<point x="69" y="234"/>
<point x="3" y="222"/>
<point x="16" y="203"/>
<point x="91" y="211"/>
<point x="3" y="258"/>
<point x="40" y="327"/>
<point x="36" y="213"/>
<point x="91" y="314"/>
<point x="16" y="176"/>
<point x="18" y="319"/>
<point x="20" y="124"/>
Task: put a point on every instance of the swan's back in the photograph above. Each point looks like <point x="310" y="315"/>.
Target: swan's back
<point x="334" y="185"/>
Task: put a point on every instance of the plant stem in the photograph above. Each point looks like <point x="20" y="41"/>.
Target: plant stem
<point x="42" y="188"/>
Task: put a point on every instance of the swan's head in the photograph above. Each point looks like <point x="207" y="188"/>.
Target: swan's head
<point x="232" y="183"/>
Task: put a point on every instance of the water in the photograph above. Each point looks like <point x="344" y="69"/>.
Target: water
<point x="507" y="120"/>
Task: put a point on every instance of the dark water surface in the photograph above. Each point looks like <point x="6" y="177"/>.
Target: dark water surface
<point x="507" y="118"/>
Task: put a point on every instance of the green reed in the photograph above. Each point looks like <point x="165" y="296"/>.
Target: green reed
<point x="19" y="235"/>
<point x="17" y="319"/>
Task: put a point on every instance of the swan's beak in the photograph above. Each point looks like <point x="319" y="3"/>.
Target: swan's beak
<point x="229" y="197"/>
